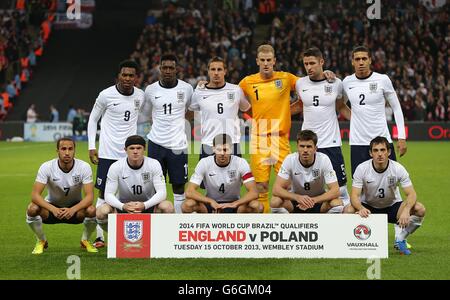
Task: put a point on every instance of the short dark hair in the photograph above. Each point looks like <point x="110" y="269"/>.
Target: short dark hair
<point x="222" y="139"/>
<point x="65" y="138"/>
<point x="379" y="140"/>
<point x="360" y="48"/>
<point x="134" y="140"/>
<point x="313" y="51"/>
<point x="217" y="59"/>
<point x="307" y="135"/>
<point x="128" y="64"/>
<point x="170" y="57"/>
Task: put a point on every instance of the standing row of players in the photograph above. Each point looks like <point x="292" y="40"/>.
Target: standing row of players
<point x="269" y="94"/>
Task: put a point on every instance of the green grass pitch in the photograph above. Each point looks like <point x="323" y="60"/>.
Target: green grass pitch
<point x="427" y="162"/>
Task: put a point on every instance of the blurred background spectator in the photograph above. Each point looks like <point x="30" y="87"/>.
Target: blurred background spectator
<point x="54" y="114"/>
<point x="195" y="33"/>
<point x="409" y="43"/>
<point x="23" y="34"/>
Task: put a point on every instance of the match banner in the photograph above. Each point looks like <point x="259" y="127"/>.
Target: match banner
<point x="46" y="132"/>
<point x="247" y="236"/>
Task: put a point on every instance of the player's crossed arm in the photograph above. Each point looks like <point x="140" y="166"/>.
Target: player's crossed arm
<point x="280" y="190"/>
<point x="36" y="198"/>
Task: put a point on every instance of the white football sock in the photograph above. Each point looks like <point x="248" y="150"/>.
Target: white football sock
<point x="100" y="201"/>
<point x="336" y="210"/>
<point x="103" y="224"/>
<point x="99" y="232"/>
<point x="89" y="227"/>
<point x="414" y="223"/>
<point x="344" y="196"/>
<point x="279" y="210"/>
<point x="178" y="201"/>
<point x="398" y="230"/>
<point x="35" y="224"/>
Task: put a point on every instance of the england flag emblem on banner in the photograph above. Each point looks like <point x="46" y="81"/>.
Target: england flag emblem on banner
<point x="133" y="230"/>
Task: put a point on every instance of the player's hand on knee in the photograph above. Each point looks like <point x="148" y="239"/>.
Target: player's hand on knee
<point x="364" y="212"/>
<point x="403" y="220"/>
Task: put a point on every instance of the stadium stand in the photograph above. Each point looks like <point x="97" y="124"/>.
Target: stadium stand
<point x="79" y="63"/>
<point x="409" y="43"/>
<point x="195" y="33"/>
<point x="25" y="29"/>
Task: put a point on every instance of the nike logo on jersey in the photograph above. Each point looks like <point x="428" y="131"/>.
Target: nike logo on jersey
<point x="55" y="179"/>
<point x="115" y="104"/>
<point x="255" y="86"/>
<point x="297" y="173"/>
<point x="125" y="177"/>
<point x="205" y="97"/>
<point x="304" y="90"/>
<point x="158" y="97"/>
<point x="351" y="87"/>
<point x="212" y="174"/>
<point x="369" y="181"/>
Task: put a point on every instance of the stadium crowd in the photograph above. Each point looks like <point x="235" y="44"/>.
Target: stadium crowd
<point x="409" y="43"/>
<point x="195" y="34"/>
<point x="23" y="34"/>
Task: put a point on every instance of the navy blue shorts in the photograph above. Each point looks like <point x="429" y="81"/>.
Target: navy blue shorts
<point x="224" y="211"/>
<point x="102" y="172"/>
<point x="173" y="161"/>
<point x="391" y="211"/>
<point x="360" y="154"/>
<point x="206" y="151"/>
<point x="313" y="210"/>
<point x="337" y="160"/>
<point x="54" y="220"/>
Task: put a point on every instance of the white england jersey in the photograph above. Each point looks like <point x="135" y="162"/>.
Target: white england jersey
<point x="129" y="185"/>
<point x="367" y="97"/>
<point x="222" y="184"/>
<point x="319" y="109"/>
<point x="309" y="181"/>
<point x="64" y="189"/>
<point x="380" y="190"/>
<point x="219" y="111"/>
<point x="119" y="114"/>
<point x="168" y="107"/>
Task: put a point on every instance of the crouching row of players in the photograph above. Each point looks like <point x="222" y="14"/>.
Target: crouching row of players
<point x="306" y="183"/>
